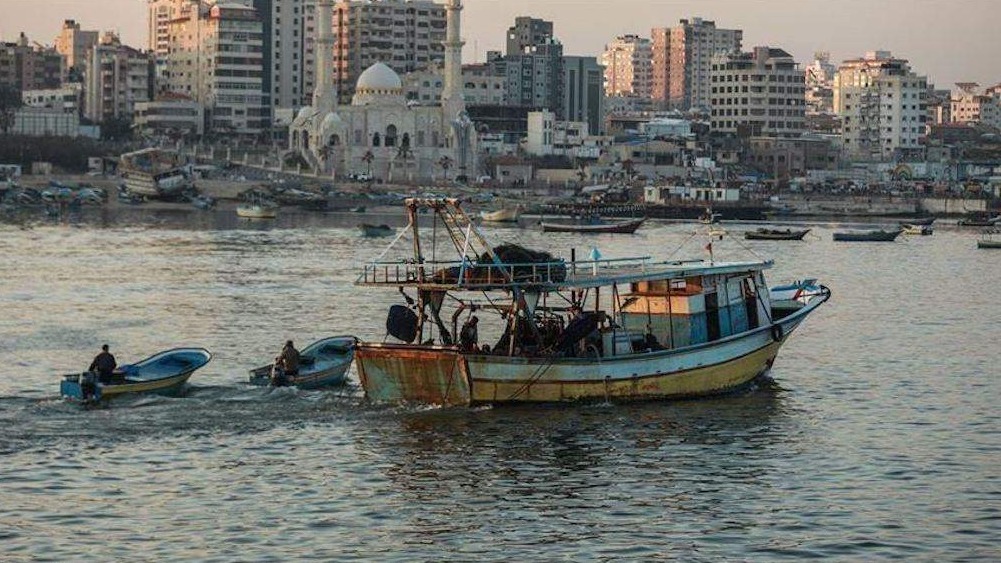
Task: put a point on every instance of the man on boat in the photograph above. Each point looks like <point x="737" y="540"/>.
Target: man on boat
<point x="104" y="364"/>
<point x="468" y="335"/>
<point x="288" y="363"/>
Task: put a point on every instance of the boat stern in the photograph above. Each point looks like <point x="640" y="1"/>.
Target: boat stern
<point x="393" y="373"/>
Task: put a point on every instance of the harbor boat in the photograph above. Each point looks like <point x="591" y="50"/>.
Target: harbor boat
<point x="979" y="219"/>
<point x="162" y="374"/>
<point x="776" y="234"/>
<point x="794" y="296"/>
<point x="506" y="215"/>
<point x="558" y="331"/>
<point x="868" y="236"/>
<point x="322" y="364"/>
<point x="155" y="173"/>
<point x="989" y="239"/>
<point x="257" y="210"/>
<point x="594" y="225"/>
<point x="374" y="231"/>
<point x="918" y="230"/>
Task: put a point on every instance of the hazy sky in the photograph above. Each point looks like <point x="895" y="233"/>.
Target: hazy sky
<point x="949" y="40"/>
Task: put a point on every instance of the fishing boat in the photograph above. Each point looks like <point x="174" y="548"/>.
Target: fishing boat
<point x="989" y="239"/>
<point x="917" y="230"/>
<point x="155" y="173"/>
<point x="594" y="225"/>
<point x="257" y="210"/>
<point x="559" y="331"/>
<point x="375" y="231"/>
<point x="322" y="364"/>
<point x="979" y="219"/>
<point x="868" y="236"/>
<point x="506" y="215"/>
<point x="163" y="374"/>
<point x="776" y="234"/>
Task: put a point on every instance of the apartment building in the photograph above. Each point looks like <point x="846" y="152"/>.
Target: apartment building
<point x="881" y="103"/>
<point x="628" y="66"/>
<point x="406" y="35"/>
<point x="68" y="98"/>
<point x="74" y="44"/>
<point x="116" y="78"/>
<point x="26" y="66"/>
<point x="480" y="86"/>
<point x="584" y="92"/>
<point x="532" y="66"/>
<point x="969" y="105"/>
<point x="758" y="93"/>
<point x="682" y="59"/>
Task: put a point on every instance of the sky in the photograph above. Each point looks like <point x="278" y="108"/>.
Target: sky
<point x="948" y="40"/>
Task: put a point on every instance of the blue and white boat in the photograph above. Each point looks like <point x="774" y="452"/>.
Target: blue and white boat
<point x="165" y="373"/>
<point x="322" y="364"/>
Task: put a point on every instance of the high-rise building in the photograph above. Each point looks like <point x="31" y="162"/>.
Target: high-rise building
<point x="760" y="93"/>
<point x="819" y="84"/>
<point x="116" y="78"/>
<point x="628" y="66"/>
<point x="289" y="28"/>
<point x="881" y="103"/>
<point x="969" y="105"/>
<point x="74" y="44"/>
<point x="682" y="56"/>
<point x="527" y="32"/>
<point x="532" y="66"/>
<point x="583" y="92"/>
<point x="480" y="86"/>
<point x="24" y="66"/>
<point x="405" y="35"/>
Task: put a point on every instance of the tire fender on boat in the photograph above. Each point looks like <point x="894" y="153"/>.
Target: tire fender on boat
<point x="777" y="332"/>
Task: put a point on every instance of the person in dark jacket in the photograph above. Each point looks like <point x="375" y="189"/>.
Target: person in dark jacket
<point x="288" y="360"/>
<point x="469" y="336"/>
<point x="104" y="364"/>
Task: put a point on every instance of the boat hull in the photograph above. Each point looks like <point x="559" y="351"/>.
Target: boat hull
<point x="170" y="387"/>
<point x="625" y="228"/>
<point x="500" y="216"/>
<point x="445" y="376"/>
<point x="874" y="236"/>
<point x="989" y="244"/>
<point x="165" y="373"/>
<point x="256" y="212"/>
<point x="775" y="235"/>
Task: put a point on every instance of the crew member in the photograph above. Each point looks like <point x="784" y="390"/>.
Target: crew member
<point x="104" y="364"/>
<point x="468" y="335"/>
<point x="288" y="360"/>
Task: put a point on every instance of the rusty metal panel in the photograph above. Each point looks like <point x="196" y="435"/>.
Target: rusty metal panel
<point x="394" y="373"/>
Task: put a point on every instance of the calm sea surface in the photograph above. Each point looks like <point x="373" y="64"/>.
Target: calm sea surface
<point x="878" y="435"/>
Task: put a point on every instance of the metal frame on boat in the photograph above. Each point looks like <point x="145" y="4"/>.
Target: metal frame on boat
<point x="624" y="329"/>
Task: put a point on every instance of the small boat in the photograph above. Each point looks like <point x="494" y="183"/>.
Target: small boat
<point x="506" y="215"/>
<point x="868" y="236"/>
<point x="791" y="297"/>
<point x="979" y="219"/>
<point x="776" y="234"/>
<point x="915" y="229"/>
<point x="626" y="329"/>
<point x="323" y="364"/>
<point x="710" y="218"/>
<point x="375" y="231"/>
<point x="256" y="211"/>
<point x="594" y="226"/>
<point x="989" y="239"/>
<point x="163" y="374"/>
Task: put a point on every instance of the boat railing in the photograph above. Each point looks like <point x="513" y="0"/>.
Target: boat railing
<point x="476" y="275"/>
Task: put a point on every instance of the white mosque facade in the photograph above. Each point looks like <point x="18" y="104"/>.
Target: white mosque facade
<point x="380" y="132"/>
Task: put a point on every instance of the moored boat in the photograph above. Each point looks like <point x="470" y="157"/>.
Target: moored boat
<point x="594" y="226"/>
<point x="322" y="364"/>
<point x="257" y="210"/>
<point x="165" y="374"/>
<point x="990" y="239"/>
<point x="868" y="236"/>
<point x="374" y="231"/>
<point x="791" y="297"/>
<point x="606" y="329"/>
<point x="918" y="230"/>
<point x="979" y="219"/>
<point x="776" y="234"/>
<point x="506" y="215"/>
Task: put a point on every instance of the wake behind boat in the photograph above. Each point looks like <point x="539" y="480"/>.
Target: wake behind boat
<point x="163" y="374"/>
<point x="625" y="329"/>
<point x="323" y="364"/>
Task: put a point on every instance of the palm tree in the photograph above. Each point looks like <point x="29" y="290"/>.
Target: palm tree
<point x="367" y="159"/>
<point x="445" y="163"/>
<point x="404" y="153"/>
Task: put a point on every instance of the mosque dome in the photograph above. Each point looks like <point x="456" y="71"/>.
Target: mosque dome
<point x="379" y="78"/>
<point x="331" y="121"/>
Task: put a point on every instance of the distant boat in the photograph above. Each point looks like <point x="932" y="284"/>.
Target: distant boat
<point x="322" y="364"/>
<point x="868" y="236"/>
<point x="257" y="210"/>
<point x="375" y="230"/>
<point x="710" y="218"/>
<point x="163" y="374"/>
<point x="920" y="230"/>
<point x="506" y="215"/>
<point x="979" y="219"/>
<point x="989" y="239"/>
<point x="776" y="234"/>
<point x="594" y="227"/>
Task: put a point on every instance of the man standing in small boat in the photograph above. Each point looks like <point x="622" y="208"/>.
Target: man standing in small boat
<point x="288" y="362"/>
<point x="104" y="364"/>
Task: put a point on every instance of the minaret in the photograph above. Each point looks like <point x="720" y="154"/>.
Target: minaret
<point x="452" y="95"/>
<point x="324" y="96"/>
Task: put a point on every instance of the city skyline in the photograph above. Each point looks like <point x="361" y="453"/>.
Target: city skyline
<point x="924" y="31"/>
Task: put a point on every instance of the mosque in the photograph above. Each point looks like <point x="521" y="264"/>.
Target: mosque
<point x="380" y="131"/>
